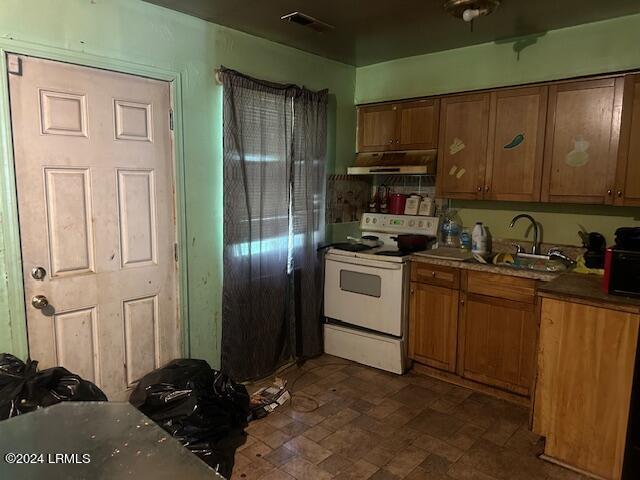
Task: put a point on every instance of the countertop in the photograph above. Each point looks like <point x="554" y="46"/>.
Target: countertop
<point x="564" y="286"/>
<point x="579" y="286"/>
<point x="481" y="267"/>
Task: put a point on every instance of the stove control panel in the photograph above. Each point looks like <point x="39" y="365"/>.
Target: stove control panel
<point x="381" y="222"/>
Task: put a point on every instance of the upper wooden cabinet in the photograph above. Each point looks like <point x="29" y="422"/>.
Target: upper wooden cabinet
<point x="376" y="128"/>
<point x="570" y="142"/>
<point x="417" y="127"/>
<point x="627" y="190"/>
<point x="583" y="129"/>
<point x="516" y="144"/>
<point x="464" y="123"/>
<point x="398" y="126"/>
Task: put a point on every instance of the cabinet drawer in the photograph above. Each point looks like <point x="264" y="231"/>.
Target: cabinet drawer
<point x="502" y="286"/>
<point x="435" y="275"/>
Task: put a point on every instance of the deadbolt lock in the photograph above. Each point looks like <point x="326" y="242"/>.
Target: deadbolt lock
<point x="38" y="273"/>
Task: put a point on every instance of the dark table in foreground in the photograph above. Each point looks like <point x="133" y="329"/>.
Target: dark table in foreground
<point x="114" y="439"/>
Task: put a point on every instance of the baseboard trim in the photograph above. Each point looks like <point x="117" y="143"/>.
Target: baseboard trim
<point x="478" y="387"/>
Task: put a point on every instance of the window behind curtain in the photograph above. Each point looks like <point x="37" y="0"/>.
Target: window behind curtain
<point x="266" y="161"/>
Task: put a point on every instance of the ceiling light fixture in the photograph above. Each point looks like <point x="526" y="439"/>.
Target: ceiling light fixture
<point x="468" y="10"/>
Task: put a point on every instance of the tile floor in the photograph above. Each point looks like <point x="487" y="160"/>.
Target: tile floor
<point x="347" y="421"/>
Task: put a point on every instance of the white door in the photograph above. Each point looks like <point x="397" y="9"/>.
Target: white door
<point x="95" y="198"/>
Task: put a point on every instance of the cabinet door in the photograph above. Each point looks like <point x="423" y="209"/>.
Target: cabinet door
<point x="462" y="152"/>
<point x="583" y="130"/>
<point x="418" y="125"/>
<point x="627" y="191"/>
<point x="516" y="144"/>
<point x="497" y="342"/>
<point x="585" y="373"/>
<point x="433" y="326"/>
<point x="376" y="128"/>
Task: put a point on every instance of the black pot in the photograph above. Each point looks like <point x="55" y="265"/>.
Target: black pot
<point x="409" y="242"/>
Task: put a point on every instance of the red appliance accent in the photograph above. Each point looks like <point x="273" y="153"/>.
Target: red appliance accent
<point x="397" y="202"/>
<point x="608" y="259"/>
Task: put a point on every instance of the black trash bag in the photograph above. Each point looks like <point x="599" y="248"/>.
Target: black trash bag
<point x="201" y="407"/>
<point x="24" y="389"/>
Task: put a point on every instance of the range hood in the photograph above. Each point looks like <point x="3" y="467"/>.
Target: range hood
<point x="414" y="162"/>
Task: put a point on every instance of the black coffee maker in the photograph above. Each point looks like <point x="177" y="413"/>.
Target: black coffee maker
<point x="595" y="243"/>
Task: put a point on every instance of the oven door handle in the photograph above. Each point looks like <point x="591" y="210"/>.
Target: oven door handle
<point x="366" y="263"/>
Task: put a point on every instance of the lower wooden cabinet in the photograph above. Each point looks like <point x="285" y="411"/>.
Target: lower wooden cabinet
<point x="585" y="371"/>
<point x="498" y="342"/>
<point x="476" y="326"/>
<point x="433" y="326"/>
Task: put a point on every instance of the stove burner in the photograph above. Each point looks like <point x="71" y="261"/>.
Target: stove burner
<point x="391" y="253"/>
<point x="351" y="247"/>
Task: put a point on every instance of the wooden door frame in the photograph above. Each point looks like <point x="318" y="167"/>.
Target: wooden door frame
<point x="10" y="226"/>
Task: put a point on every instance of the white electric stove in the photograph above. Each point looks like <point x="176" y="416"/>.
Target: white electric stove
<point x="366" y="294"/>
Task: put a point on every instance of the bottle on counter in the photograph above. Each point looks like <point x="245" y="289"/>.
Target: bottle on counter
<point x="465" y="239"/>
<point x="480" y="239"/>
<point x="450" y="229"/>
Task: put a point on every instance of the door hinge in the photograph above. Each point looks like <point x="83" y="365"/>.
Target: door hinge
<point x="171" y="120"/>
<point x="14" y="65"/>
<point x="175" y="251"/>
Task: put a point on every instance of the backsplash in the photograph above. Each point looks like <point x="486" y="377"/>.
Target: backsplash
<point x="347" y="198"/>
<point x="408" y="184"/>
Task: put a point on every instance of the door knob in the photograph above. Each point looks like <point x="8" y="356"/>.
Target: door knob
<point x="39" y="302"/>
<point x="38" y="273"/>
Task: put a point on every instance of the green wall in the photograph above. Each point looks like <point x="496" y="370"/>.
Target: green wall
<point x="599" y="47"/>
<point x="137" y="32"/>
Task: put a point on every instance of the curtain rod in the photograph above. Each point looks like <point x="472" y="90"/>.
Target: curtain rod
<point x="217" y="73"/>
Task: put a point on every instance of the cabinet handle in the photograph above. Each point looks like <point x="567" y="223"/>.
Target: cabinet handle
<point x="397" y="141"/>
<point x="433" y="274"/>
<point x="620" y="193"/>
<point x="390" y="142"/>
<point x="486" y="188"/>
<point x="462" y="301"/>
<point x="479" y="189"/>
<point x="609" y="192"/>
<point x="412" y="291"/>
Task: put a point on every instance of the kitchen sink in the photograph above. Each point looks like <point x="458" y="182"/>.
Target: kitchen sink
<point x="538" y="263"/>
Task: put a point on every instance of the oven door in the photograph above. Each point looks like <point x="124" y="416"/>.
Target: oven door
<point x="366" y="293"/>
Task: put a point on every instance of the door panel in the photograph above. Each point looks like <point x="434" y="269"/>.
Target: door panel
<point x="376" y="128"/>
<point x="137" y="217"/>
<point x="63" y="113"/>
<point x="433" y="326"/>
<point x="583" y="129"/>
<point x="95" y="196"/>
<point x="141" y="336"/>
<point x="462" y="152"/>
<point x="418" y="125"/>
<point x="68" y="206"/>
<point x="72" y="329"/>
<point x="498" y="346"/>
<point x="516" y="145"/>
<point x="627" y="191"/>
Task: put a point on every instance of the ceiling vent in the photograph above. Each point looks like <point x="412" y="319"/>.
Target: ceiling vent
<point x="307" y="21"/>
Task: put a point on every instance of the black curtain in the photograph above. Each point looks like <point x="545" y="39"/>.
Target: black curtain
<point x="274" y="155"/>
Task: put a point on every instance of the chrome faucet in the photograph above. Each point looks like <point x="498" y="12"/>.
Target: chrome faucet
<point x="535" y="249"/>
